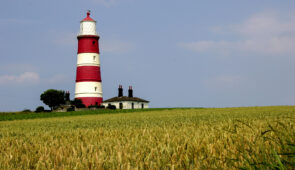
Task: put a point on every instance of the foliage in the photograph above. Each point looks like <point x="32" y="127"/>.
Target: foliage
<point x="229" y="138"/>
<point x="96" y="106"/>
<point x="26" y="110"/>
<point x="70" y="109"/>
<point x="78" y="103"/>
<point x="39" y="109"/>
<point x="53" y="98"/>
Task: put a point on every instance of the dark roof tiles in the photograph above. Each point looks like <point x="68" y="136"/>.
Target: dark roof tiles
<point x="125" y="98"/>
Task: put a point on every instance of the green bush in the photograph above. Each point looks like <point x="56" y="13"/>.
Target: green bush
<point x="112" y="107"/>
<point x="27" y="110"/>
<point x="96" y="106"/>
<point x="78" y="103"/>
<point x="70" y="109"/>
<point x="39" y="109"/>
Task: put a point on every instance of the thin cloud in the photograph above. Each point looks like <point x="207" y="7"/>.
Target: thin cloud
<point x="267" y="24"/>
<point x="262" y="34"/>
<point x="272" y="46"/>
<point x="225" y="82"/>
<point x="18" y="68"/>
<point x="24" y="78"/>
<point x="57" y="79"/>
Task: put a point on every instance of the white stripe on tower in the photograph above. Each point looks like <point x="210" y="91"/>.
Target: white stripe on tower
<point x="88" y="59"/>
<point x="88" y="78"/>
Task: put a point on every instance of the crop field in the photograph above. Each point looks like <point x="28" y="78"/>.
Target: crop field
<point x="221" y="138"/>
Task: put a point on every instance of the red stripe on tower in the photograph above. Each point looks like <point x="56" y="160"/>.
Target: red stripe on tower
<point x="88" y="73"/>
<point x="88" y="44"/>
<point x="88" y="79"/>
<point x="88" y="101"/>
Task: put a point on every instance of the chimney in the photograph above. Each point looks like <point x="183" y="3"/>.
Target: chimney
<point x="130" y="92"/>
<point x="120" y="89"/>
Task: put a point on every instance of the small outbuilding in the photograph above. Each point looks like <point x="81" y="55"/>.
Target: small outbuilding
<point x="126" y="102"/>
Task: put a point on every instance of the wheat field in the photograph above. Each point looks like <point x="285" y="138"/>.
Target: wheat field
<point x="225" y="138"/>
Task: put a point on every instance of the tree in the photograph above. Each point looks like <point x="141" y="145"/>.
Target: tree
<point x="53" y="98"/>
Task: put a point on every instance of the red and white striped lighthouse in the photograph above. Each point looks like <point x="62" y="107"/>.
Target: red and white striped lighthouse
<point x="88" y="79"/>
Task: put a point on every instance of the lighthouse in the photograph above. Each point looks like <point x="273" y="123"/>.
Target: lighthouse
<point x="88" y="79"/>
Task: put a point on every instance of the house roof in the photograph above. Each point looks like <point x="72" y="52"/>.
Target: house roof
<point x="125" y="98"/>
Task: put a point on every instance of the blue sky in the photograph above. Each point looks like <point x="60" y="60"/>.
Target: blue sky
<point x="174" y="53"/>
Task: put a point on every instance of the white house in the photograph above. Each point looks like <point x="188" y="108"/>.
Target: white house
<point x="126" y="102"/>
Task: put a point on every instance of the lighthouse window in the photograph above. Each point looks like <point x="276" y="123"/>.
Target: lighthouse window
<point x="94" y="58"/>
<point x="95" y="88"/>
<point x="93" y="42"/>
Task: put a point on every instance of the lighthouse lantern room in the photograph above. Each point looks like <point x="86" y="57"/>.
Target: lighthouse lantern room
<point x="88" y="78"/>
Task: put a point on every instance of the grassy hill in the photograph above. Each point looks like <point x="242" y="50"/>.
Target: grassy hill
<point x="227" y="138"/>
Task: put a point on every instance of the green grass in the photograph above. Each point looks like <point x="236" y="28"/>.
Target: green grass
<point x="228" y="138"/>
